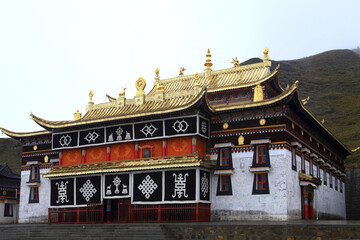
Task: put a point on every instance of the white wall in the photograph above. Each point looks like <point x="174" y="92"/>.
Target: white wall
<point x="34" y="212"/>
<point x="243" y="205"/>
<point x="12" y="219"/>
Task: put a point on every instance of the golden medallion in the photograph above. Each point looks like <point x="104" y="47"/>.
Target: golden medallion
<point x="262" y="122"/>
<point x="35" y="148"/>
<point x="225" y="125"/>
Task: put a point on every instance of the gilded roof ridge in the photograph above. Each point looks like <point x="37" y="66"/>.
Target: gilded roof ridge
<point x="23" y="134"/>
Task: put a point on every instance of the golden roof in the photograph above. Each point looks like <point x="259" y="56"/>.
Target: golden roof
<point x="230" y="78"/>
<point x="131" y="165"/>
<point x="23" y="134"/>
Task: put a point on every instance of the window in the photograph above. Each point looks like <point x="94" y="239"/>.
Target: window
<point x="324" y="172"/>
<point x="224" y="185"/>
<point x="34" y="174"/>
<point x="336" y="183"/>
<point x="34" y="195"/>
<point x="318" y="171"/>
<point x="303" y="163"/>
<point x="311" y="168"/>
<point x="261" y="184"/>
<point x="330" y="180"/>
<point x="293" y="159"/>
<point x="341" y="186"/>
<point x="225" y="157"/>
<point x="261" y="154"/>
<point x="8" y="210"/>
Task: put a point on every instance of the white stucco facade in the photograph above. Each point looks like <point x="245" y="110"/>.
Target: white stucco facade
<point x="34" y="212"/>
<point x="284" y="199"/>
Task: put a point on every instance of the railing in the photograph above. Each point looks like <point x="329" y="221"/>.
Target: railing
<point x="93" y="213"/>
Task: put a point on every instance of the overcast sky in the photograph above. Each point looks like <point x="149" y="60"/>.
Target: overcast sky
<point x="52" y="53"/>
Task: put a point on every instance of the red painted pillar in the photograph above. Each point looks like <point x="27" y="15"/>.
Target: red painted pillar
<point x="306" y="206"/>
<point x="164" y="147"/>
<point x="311" y="206"/>
<point x="60" y="158"/>
<point x="108" y="153"/>
<point x="108" y="211"/>
<point x="194" y="145"/>
<point x="83" y="154"/>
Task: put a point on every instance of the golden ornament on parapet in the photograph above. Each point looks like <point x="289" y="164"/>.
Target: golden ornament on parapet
<point x="241" y="140"/>
<point x="34" y="147"/>
<point x="262" y="122"/>
<point x="225" y="125"/>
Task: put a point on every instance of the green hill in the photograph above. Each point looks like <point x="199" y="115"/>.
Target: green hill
<point x="331" y="79"/>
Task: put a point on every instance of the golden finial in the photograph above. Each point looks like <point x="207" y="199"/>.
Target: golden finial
<point x="181" y="72"/>
<point x="323" y="121"/>
<point x="91" y="94"/>
<point x="266" y="56"/>
<point x="197" y="77"/>
<point x="278" y="66"/>
<point x="296" y="83"/>
<point x="157" y="71"/>
<point x="208" y="63"/>
<point x="235" y="61"/>
<point x="77" y="115"/>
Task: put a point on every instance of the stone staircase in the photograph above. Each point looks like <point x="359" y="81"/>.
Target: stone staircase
<point x="85" y="231"/>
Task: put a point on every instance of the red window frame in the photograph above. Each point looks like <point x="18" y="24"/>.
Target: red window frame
<point x="225" y="183"/>
<point x="34" y="174"/>
<point x="261" y="154"/>
<point x="261" y="181"/>
<point x="225" y="157"/>
<point x="34" y="195"/>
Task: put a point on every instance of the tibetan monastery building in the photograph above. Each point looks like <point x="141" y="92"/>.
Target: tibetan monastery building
<point x="222" y="145"/>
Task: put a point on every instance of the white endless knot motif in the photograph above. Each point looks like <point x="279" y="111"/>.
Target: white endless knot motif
<point x="117" y="182"/>
<point x="204" y="185"/>
<point x="180" y="185"/>
<point x="180" y="126"/>
<point x="147" y="186"/>
<point x="203" y="127"/>
<point x="91" y="136"/>
<point x="62" y="192"/>
<point x="88" y="190"/>
<point x="148" y="130"/>
<point x="65" y="140"/>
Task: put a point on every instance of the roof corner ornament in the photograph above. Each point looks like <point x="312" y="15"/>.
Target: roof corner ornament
<point x="235" y="61"/>
<point x="305" y="100"/>
<point x="323" y="121"/>
<point x="355" y="149"/>
<point x="258" y="93"/>
<point x="77" y="115"/>
<point x="266" y="58"/>
<point x="182" y="70"/>
<point x="208" y="64"/>
<point x="91" y="94"/>
<point x="122" y="94"/>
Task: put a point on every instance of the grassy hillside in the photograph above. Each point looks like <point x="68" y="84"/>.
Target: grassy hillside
<point x="331" y="79"/>
<point x="10" y="153"/>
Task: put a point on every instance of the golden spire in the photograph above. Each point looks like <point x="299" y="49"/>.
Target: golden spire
<point x="91" y="94"/>
<point x="157" y="71"/>
<point x="208" y="63"/>
<point x="181" y="72"/>
<point x="266" y="56"/>
<point x="235" y="61"/>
